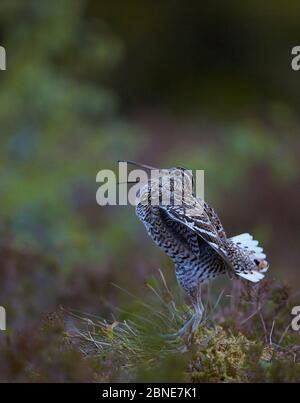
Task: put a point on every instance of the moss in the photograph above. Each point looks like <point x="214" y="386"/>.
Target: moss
<point x="219" y="356"/>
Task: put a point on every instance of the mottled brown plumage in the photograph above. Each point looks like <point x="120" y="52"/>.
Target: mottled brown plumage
<point x="191" y="233"/>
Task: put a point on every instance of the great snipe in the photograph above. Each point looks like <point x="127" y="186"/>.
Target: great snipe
<point x="191" y="233"/>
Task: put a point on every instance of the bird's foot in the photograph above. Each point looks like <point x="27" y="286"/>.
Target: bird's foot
<point x="189" y="329"/>
<point x="191" y="326"/>
<point x="181" y="332"/>
<point x="186" y="327"/>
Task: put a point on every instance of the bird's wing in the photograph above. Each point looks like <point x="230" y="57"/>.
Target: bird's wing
<point x="184" y="232"/>
<point x="202" y="220"/>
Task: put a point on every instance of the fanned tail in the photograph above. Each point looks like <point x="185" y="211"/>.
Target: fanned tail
<point x="256" y="254"/>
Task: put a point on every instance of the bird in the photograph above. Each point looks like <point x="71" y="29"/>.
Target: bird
<point x="190" y="232"/>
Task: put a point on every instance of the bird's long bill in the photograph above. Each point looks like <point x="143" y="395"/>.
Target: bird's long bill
<point x="138" y="164"/>
<point x="130" y="182"/>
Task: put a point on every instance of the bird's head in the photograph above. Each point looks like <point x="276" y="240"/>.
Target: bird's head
<point x="162" y="183"/>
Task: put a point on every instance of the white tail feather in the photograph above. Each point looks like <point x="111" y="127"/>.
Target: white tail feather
<point x="256" y="253"/>
<point x="254" y="277"/>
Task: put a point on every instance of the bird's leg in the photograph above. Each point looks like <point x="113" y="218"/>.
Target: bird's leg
<point x="198" y="315"/>
<point x="191" y="326"/>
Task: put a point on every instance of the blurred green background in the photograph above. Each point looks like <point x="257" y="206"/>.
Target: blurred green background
<point x="203" y="85"/>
